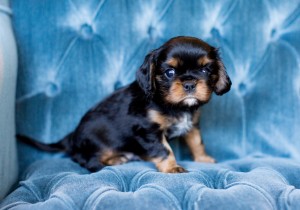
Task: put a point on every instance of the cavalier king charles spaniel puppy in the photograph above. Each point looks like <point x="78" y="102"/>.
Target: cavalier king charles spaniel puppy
<point x="137" y="122"/>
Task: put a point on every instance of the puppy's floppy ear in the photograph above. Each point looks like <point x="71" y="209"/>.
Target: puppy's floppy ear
<point x="145" y="75"/>
<point x="224" y="83"/>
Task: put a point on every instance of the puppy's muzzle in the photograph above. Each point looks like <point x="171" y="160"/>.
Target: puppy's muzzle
<point x="189" y="87"/>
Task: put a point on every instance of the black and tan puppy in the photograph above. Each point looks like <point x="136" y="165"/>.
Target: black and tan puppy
<point x="137" y="121"/>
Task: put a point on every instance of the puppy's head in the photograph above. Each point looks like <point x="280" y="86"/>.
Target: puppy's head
<point x="184" y="71"/>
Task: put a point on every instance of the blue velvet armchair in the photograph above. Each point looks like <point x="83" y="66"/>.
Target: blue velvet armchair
<point x="70" y="54"/>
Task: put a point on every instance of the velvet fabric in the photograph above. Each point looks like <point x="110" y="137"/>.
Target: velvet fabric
<point x="252" y="183"/>
<point x="8" y="76"/>
<point x="74" y="53"/>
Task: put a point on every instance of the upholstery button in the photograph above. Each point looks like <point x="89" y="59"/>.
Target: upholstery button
<point x="242" y="88"/>
<point x="52" y="89"/>
<point x="118" y="85"/>
<point x="273" y="32"/>
<point x="215" y="32"/>
<point x="151" y="31"/>
<point x="86" y="31"/>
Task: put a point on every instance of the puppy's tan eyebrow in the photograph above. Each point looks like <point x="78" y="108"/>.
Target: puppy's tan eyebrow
<point x="174" y="62"/>
<point x="202" y="61"/>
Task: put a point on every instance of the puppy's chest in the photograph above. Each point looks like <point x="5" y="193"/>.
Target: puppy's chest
<point x="172" y="126"/>
<point x="179" y="126"/>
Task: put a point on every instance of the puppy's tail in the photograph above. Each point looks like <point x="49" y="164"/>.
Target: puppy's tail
<point x="60" y="146"/>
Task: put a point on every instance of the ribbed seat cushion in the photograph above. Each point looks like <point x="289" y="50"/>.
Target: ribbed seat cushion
<point x="254" y="183"/>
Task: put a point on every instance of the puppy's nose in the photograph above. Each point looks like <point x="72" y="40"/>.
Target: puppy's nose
<point x="189" y="86"/>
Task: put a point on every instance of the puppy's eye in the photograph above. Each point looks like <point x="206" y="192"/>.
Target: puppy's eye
<point x="204" y="70"/>
<point x="170" y="73"/>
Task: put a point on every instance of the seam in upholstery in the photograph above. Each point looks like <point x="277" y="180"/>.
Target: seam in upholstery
<point x="167" y="193"/>
<point x="67" y="200"/>
<point x="124" y="187"/>
<point x="65" y="55"/>
<point x="15" y="204"/>
<point x="136" y="179"/>
<point x="221" y="179"/>
<point x="57" y="180"/>
<point x="35" y="191"/>
<point x="277" y="173"/>
<point x="225" y="18"/>
<point x="206" y="178"/>
<point x="96" y="13"/>
<point x="286" y="203"/>
<point x="187" y="195"/>
<point x="257" y="188"/>
<point x="166" y="8"/>
<point x="90" y="203"/>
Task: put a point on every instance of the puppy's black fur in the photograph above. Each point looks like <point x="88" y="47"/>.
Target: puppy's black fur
<point x="137" y="121"/>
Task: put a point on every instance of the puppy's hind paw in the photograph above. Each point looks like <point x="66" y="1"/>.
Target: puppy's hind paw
<point x="177" y="169"/>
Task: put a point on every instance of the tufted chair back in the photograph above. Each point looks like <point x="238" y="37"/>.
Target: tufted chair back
<point x="73" y="53"/>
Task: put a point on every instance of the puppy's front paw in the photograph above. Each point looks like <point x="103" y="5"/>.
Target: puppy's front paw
<point x="176" y="169"/>
<point x="205" y="159"/>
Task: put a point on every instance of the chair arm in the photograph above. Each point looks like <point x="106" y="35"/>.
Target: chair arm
<point x="8" y="75"/>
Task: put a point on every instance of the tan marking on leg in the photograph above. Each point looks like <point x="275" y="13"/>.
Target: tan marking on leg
<point x="105" y="155"/>
<point x="111" y="158"/>
<point x="116" y="160"/>
<point x="196" y="117"/>
<point x="167" y="164"/>
<point x="194" y="142"/>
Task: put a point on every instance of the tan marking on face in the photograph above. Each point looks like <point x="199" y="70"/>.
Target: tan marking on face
<point x="176" y="92"/>
<point x="174" y="62"/>
<point x="203" y="92"/>
<point x="194" y="142"/>
<point x="204" y="60"/>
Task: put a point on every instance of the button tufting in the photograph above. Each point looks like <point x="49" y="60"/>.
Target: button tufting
<point x="273" y="32"/>
<point x="52" y="89"/>
<point x="86" y="31"/>
<point x="151" y="31"/>
<point x="215" y="32"/>
<point x="118" y="85"/>
<point x="242" y="88"/>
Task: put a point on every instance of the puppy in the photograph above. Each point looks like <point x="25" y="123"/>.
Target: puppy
<point x="137" y="121"/>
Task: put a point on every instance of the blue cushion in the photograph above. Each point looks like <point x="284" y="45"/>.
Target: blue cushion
<point x="257" y="183"/>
